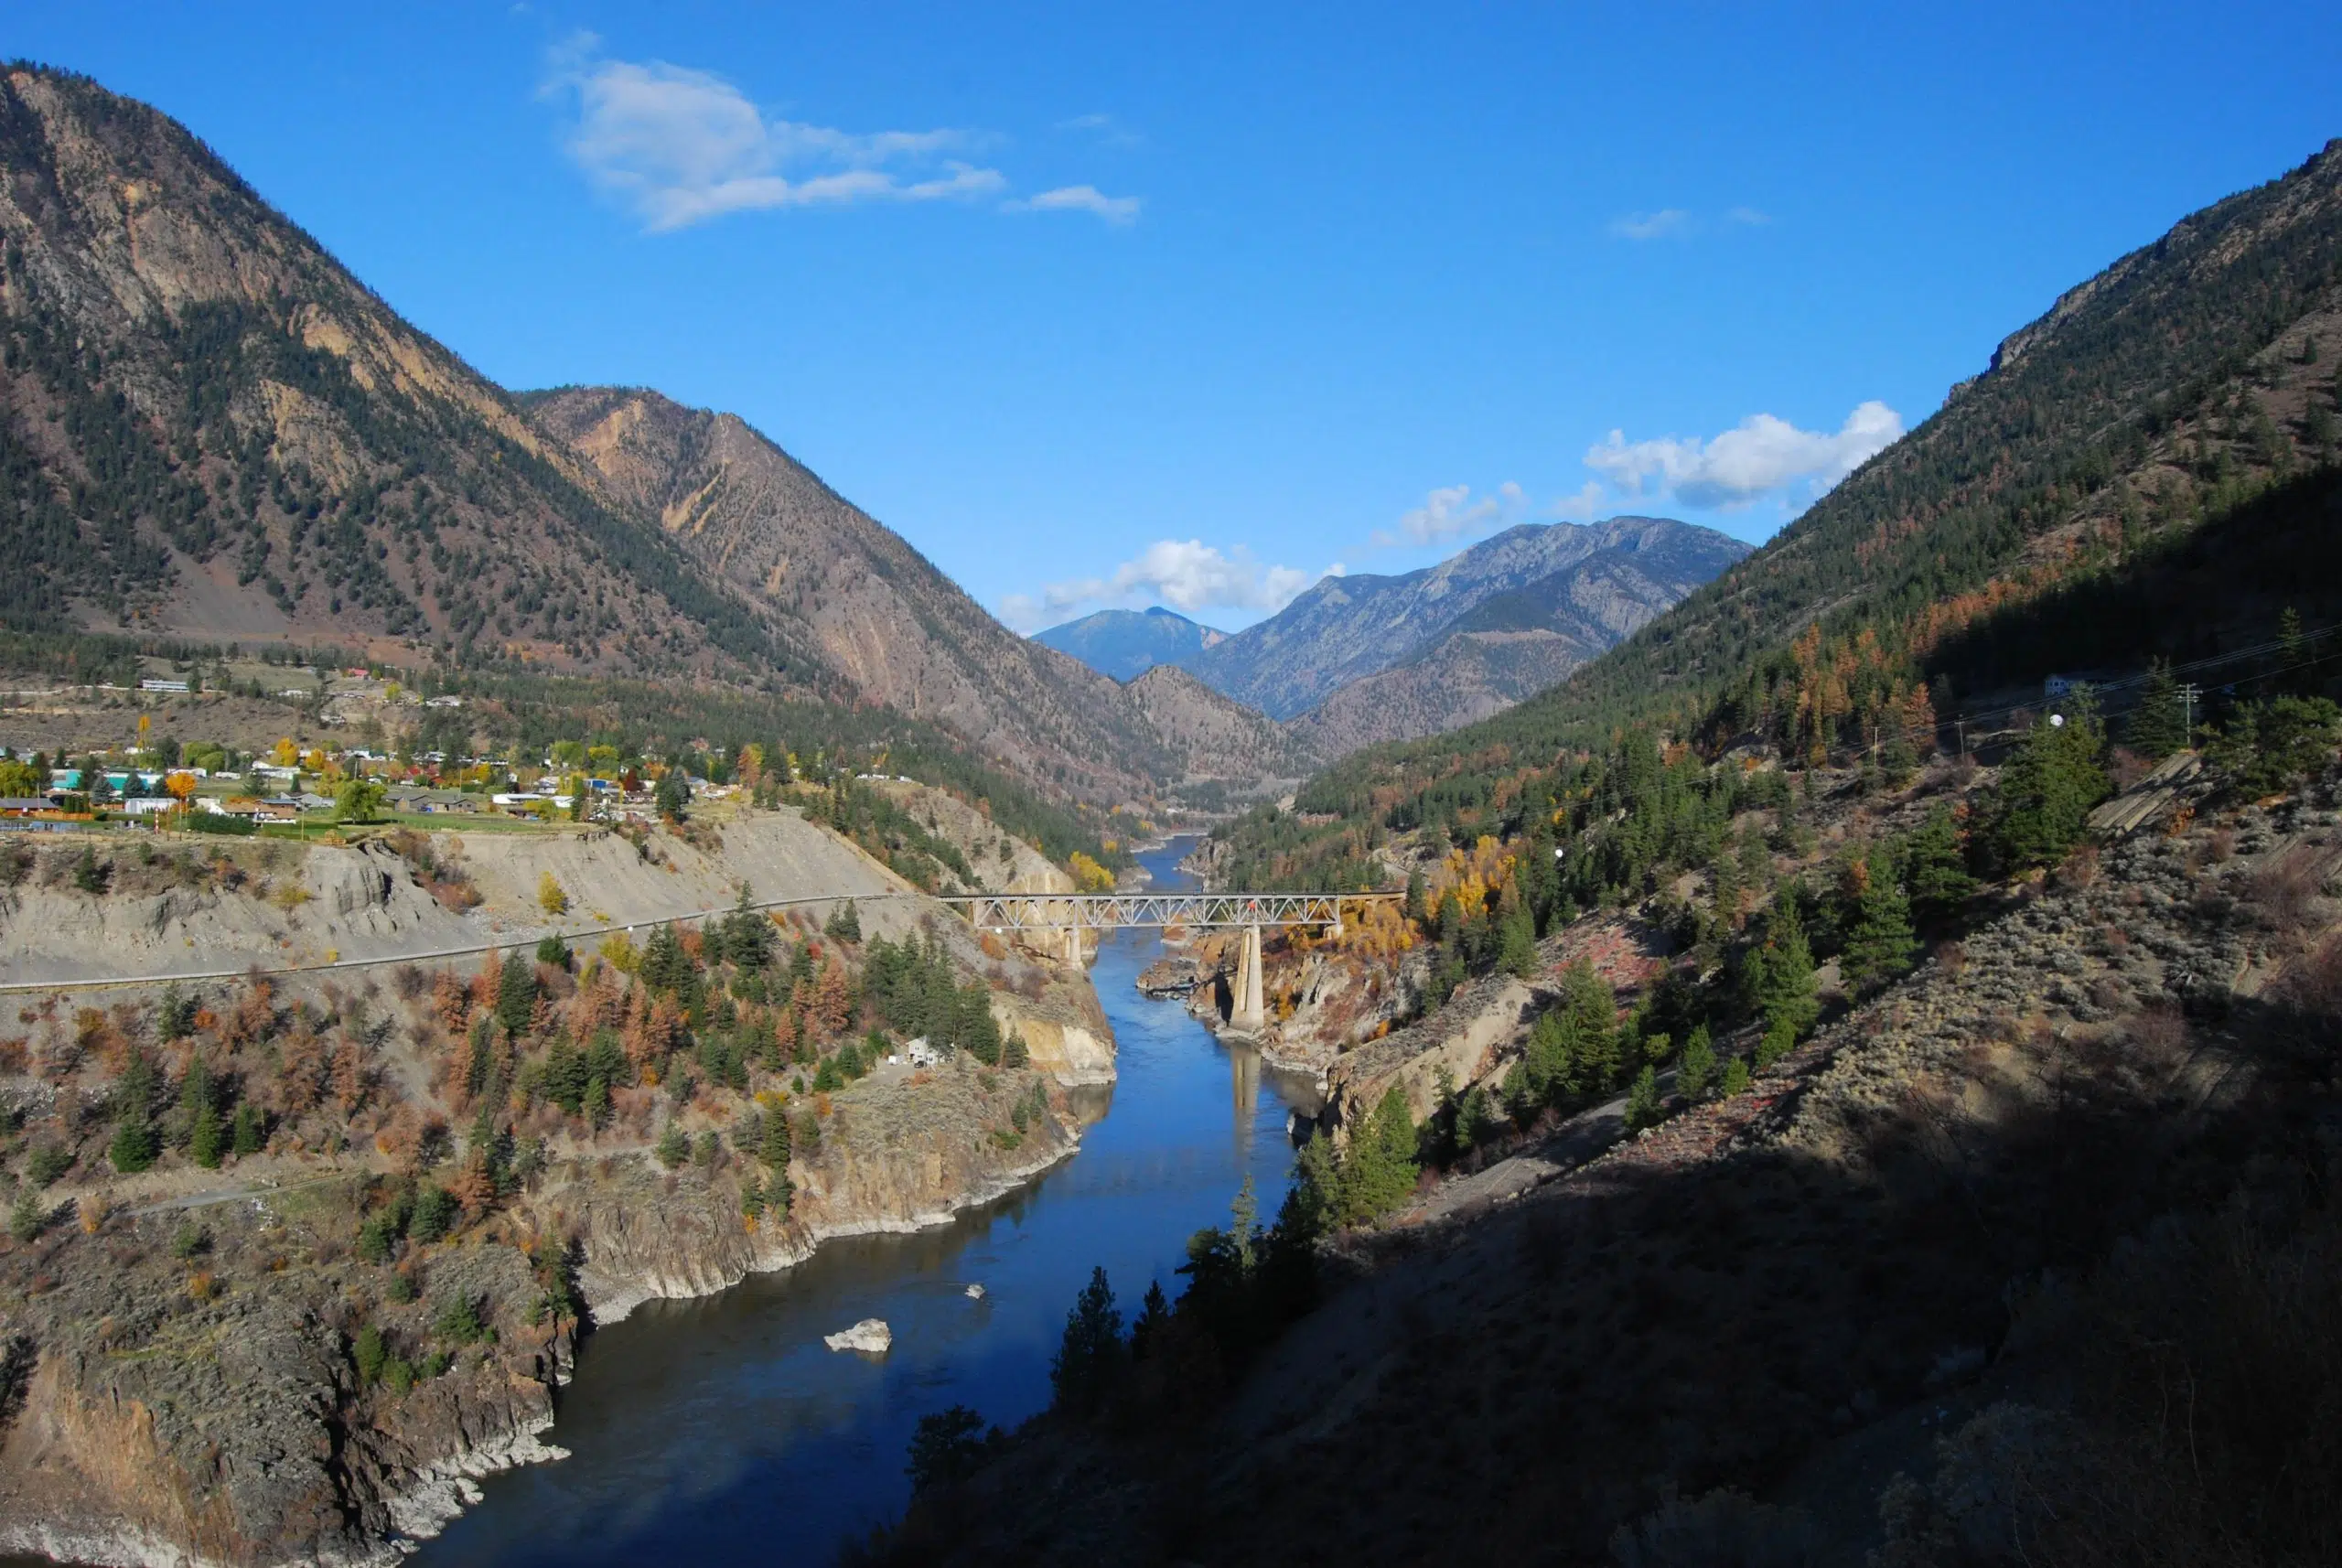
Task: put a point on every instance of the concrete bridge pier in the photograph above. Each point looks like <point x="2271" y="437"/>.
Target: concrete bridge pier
<point x="1249" y="1012"/>
<point x="1072" y="952"/>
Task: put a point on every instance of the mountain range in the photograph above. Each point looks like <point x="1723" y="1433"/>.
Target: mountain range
<point x="2150" y="470"/>
<point x="1360" y="658"/>
<point x="1125" y="644"/>
<point x="210" y="430"/>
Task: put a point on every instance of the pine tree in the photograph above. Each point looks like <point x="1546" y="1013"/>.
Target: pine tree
<point x="2157" y="727"/>
<point x="1642" y="1101"/>
<point x="248" y="1135"/>
<point x="1699" y="1064"/>
<point x="1089" y="1358"/>
<point x="772" y="1145"/>
<point x="1153" y="1317"/>
<point x="1879" y="942"/>
<point x="1781" y="971"/>
<point x="1317" y="1184"/>
<point x="1735" y="1079"/>
<point x="1379" y="1171"/>
<point x="674" y="1148"/>
<point x="2046" y="789"/>
<point x="516" y="994"/>
<point x="1935" y="870"/>
<point x="1517" y="945"/>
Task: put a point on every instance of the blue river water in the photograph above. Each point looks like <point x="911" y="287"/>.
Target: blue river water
<point x="723" y="1431"/>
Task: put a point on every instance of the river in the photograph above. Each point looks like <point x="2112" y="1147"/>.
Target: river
<point x="723" y="1431"/>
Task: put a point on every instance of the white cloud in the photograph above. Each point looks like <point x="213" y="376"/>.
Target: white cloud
<point x="1761" y="453"/>
<point x="680" y="147"/>
<point x="1747" y="215"/>
<point x="1079" y="198"/>
<point x="1185" y="574"/>
<point x="1104" y="129"/>
<point x="1578" y="508"/>
<point x="1449" y="512"/>
<point x="1668" y="222"/>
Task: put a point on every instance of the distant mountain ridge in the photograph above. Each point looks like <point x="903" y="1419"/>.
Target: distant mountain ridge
<point x="1125" y="644"/>
<point x="1588" y="586"/>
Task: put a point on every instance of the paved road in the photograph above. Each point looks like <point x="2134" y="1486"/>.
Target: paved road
<point x="207" y="1198"/>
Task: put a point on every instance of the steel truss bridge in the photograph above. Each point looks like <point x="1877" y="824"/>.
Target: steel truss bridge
<point x="1066" y="916"/>
<point x="1115" y="911"/>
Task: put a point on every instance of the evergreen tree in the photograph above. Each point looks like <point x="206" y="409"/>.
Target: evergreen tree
<point x="674" y="1148"/>
<point x="1516" y="943"/>
<point x="1379" y="1171"/>
<point x="1317" y="1184"/>
<point x="1699" y="1065"/>
<point x="516" y="994"/>
<point x="135" y="1145"/>
<point x="2047" y="787"/>
<point x="1642" y="1101"/>
<point x="772" y="1144"/>
<point x="673" y="794"/>
<point x="746" y="936"/>
<point x="249" y="1134"/>
<point x="1879" y="941"/>
<point x="845" y="924"/>
<point x="1936" y="872"/>
<point x="2157" y="727"/>
<point x="1780" y="970"/>
<point x="1089" y="1358"/>
<point x="1735" y="1079"/>
<point x="1153" y="1317"/>
<point x="945" y="1448"/>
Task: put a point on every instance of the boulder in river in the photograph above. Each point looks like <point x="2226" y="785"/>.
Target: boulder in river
<point x="975" y="1292"/>
<point x="871" y="1334"/>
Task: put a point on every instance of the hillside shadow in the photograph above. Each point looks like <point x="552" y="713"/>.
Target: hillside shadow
<point x="2209" y="589"/>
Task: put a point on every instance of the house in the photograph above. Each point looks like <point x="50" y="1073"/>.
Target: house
<point x="151" y="685"/>
<point x="148" y="805"/>
<point x="256" y="811"/>
<point x="921" y="1053"/>
<point x="24" y="805"/>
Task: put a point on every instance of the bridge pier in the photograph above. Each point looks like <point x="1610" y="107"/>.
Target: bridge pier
<point x="1072" y="955"/>
<point x="1249" y="1012"/>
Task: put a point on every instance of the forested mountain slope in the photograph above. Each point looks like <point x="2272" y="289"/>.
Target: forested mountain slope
<point x="210" y="432"/>
<point x="877" y="613"/>
<point x="2181" y="402"/>
<point x="1346" y="628"/>
<point x="208" y="426"/>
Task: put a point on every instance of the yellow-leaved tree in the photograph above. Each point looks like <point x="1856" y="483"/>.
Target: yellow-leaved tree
<point x="552" y="898"/>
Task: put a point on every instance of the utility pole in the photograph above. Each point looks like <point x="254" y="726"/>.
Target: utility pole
<point x="2187" y="699"/>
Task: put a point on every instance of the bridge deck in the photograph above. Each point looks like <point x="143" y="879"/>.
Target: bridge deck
<point x="1111" y="911"/>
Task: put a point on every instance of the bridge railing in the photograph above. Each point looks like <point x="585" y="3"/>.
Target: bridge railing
<point x="1113" y="912"/>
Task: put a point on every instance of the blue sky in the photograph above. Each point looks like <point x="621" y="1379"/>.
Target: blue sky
<point x="1193" y="303"/>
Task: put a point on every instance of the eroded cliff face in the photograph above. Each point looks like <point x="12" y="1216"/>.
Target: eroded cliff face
<point x="896" y="1152"/>
<point x="1322" y="1001"/>
<point x="171" y="1418"/>
<point x="189" y="1401"/>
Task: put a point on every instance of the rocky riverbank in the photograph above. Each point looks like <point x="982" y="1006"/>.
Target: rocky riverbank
<point x="190" y="1386"/>
<point x="290" y="1261"/>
